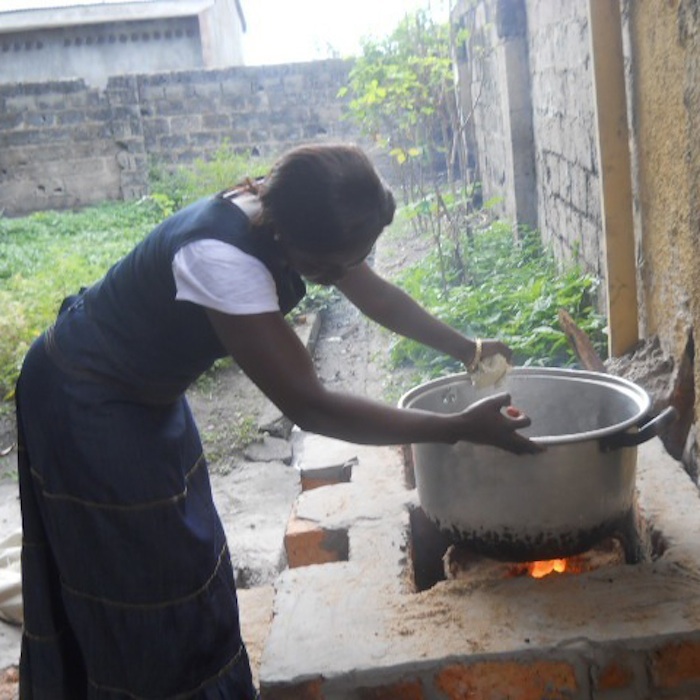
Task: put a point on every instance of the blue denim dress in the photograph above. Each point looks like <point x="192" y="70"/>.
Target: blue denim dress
<point x="127" y="580"/>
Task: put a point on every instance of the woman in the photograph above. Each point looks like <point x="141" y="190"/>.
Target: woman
<point x="128" y="584"/>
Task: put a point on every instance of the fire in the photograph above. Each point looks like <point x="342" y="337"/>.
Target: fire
<point x="540" y="569"/>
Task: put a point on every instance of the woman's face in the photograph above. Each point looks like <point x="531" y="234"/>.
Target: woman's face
<point x="327" y="268"/>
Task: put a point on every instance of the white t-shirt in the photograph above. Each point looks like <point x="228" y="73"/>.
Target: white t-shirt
<point x="220" y="276"/>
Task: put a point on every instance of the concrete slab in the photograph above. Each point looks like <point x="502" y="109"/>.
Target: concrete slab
<point x="255" y="501"/>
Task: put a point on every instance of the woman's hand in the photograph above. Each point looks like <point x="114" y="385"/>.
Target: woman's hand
<point x="480" y="349"/>
<point x="492" y="421"/>
<point x="490" y="347"/>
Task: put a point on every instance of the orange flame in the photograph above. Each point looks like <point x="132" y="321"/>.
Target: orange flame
<point x="540" y="569"/>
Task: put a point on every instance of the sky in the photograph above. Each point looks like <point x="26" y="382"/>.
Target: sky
<point x="288" y="31"/>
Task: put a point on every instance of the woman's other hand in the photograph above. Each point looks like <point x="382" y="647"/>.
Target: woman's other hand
<point x="493" y="421"/>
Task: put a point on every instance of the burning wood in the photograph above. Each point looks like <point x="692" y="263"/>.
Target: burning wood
<point x="461" y="563"/>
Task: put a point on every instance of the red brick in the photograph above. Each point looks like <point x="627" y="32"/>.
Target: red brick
<point x="615" y="676"/>
<point x="675" y="664"/>
<point x="407" y="690"/>
<point x="310" y="690"/>
<point x="498" y="680"/>
<point x="307" y="543"/>
<point x="308" y="483"/>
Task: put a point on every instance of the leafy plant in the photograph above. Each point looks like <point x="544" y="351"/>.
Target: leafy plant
<point x="402" y="96"/>
<point x="178" y="187"/>
<point x="514" y="293"/>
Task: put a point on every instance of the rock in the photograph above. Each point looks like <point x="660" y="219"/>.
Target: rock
<point x="269" y="449"/>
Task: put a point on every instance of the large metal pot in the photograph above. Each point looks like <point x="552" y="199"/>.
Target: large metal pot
<point x="557" y="503"/>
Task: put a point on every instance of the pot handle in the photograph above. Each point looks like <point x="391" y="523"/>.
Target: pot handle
<point x="646" y="432"/>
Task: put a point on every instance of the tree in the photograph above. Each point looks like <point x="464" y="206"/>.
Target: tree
<point x="404" y="97"/>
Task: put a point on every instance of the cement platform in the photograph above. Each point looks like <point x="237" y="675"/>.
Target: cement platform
<point x="354" y="628"/>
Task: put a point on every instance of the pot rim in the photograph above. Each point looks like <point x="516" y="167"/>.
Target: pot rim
<point x="619" y="384"/>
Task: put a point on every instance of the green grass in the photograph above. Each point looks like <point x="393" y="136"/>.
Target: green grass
<point x="47" y="256"/>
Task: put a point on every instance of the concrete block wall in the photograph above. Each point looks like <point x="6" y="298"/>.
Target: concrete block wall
<point x="530" y="85"/>
<point x="264" y="110"/>
<point x="64" y="144"/>
<point x="57" y="147"/>
<point x="568" y="197"/>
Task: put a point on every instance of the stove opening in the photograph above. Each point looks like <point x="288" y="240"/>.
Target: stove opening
<point x="437" y="557"/>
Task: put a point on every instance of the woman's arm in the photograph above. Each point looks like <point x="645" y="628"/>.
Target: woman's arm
<point x="392" y="308"/>
<point x="266" y="348"/>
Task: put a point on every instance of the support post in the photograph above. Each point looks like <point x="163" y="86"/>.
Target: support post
<point x="605" y="26"/>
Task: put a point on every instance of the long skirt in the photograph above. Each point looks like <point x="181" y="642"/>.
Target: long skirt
<point x="128" y="586"/>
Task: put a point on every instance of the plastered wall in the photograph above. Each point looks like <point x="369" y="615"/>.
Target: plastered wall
<point x="664" y="41"/>
<point x="666" y="259"/>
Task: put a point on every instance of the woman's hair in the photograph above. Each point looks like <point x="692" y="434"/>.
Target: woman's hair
<point x="322" y="198"/>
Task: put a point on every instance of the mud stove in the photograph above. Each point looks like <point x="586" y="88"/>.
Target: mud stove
<point x="377" y="605"/>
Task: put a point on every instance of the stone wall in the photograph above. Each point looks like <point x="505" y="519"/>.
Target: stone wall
<point x="493" y="77"/>
<point x="533" y="110"/>
<point x="64" y="144"/>
<point x="563" y="101"/>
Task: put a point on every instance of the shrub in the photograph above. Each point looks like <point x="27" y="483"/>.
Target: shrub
<point x="513" y="292"/>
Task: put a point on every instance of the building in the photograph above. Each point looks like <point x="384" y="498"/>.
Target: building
<point x="94" y="39"/>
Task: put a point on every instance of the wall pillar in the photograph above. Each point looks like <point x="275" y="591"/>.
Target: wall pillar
<point x="615" y="174"/>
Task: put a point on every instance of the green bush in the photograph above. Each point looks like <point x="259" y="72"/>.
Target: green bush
<point x="514" y="292"/>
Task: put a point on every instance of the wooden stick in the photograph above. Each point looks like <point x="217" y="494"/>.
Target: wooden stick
<point x="582" y="345"/>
